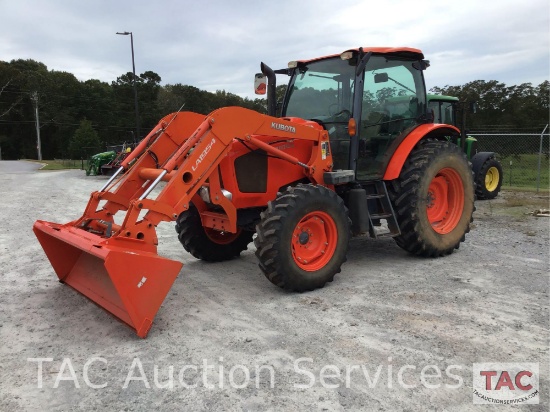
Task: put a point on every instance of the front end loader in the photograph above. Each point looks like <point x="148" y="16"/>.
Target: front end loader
<point x="354" y="152"/>
<point x="116" y="265"/>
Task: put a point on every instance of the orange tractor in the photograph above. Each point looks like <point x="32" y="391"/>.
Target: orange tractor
<point x="354" y="152"/>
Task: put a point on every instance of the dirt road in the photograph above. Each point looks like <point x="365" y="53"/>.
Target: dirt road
<point x="392" y="332"/>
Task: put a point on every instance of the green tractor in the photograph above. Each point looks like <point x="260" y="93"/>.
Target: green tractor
<point x="486" y="167"/>
<point x="96" y="161"/>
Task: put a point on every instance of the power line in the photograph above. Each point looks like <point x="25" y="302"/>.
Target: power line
<point x="95" y="126"/>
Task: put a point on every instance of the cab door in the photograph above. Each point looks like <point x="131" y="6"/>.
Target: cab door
<point x="393" y="103"/>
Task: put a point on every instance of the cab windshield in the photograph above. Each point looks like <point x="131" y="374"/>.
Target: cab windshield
<point x="444" y="111"/>
<point x="392" y="103"/>
<point x="322" y="90"/>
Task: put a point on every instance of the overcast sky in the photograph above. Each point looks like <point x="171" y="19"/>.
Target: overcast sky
<point x="215" y="44"/>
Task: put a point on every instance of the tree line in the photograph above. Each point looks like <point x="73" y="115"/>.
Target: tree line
<point x="504" y="108"/>
<point x="79" y="118"/>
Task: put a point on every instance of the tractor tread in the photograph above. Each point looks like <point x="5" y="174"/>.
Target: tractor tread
<point x="275" y="258"/>
<point x="482" y="192"/>
<point x="405" y="196"/>
<point x="194" y="240"/>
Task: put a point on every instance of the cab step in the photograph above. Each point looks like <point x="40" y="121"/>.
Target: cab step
<point x="379" y="200"/>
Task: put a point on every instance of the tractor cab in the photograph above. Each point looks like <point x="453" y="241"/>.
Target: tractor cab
<point x="444" y="108"/>
<point x="368" y="100"/>
<point x="486" y="167"/>
<point x="449" y="110"/>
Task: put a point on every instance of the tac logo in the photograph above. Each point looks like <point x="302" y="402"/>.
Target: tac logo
<point x="506" y="383"/>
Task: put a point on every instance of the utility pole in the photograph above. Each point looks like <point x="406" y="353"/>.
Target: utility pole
<point x="38" y="143"/>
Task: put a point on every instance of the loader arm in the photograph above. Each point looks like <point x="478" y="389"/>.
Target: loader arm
<point x="194" y="163"/>
<point x="211" y="143"/>
<point x="117" y="266"/>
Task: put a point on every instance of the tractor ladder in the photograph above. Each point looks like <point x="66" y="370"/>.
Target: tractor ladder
<point x="380" y="207"/>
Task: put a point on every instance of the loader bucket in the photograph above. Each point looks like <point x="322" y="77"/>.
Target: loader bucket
<point x="129" y="283"/>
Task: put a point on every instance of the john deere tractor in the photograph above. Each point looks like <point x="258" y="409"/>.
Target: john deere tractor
<point x="487" y="169"/>
<point x="96" y="162"/>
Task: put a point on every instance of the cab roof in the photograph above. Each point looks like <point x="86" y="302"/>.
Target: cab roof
<point x="404" y="51"/>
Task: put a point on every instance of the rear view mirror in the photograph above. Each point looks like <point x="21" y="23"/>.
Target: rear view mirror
<point x="421" y="64"/>
<point x="380" y="77"/>
<point x="260" y="83"/>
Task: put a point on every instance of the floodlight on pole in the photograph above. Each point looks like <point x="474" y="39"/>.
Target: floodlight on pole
<point x="126" y="33"/>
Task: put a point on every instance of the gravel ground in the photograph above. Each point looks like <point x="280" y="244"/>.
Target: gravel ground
<point x="392" y="332"/>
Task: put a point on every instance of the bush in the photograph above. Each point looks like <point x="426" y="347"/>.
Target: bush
<point x="84" y="138"/>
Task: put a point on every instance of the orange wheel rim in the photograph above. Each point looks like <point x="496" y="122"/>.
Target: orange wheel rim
<point x="221" y="238"/>
<point x="445" y="201"/>
<point x="314" y="241"/>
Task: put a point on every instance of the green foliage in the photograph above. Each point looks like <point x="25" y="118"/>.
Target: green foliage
<point x="64" y="101"/>
<point x="84" y="141"/>
<point x="521" y="106"/>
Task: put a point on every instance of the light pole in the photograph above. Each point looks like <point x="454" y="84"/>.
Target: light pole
<point x="126" y="33"/>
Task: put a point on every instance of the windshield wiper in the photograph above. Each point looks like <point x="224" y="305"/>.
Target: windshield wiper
<point x="401" y="84"/>
<point x="325" y="77"/>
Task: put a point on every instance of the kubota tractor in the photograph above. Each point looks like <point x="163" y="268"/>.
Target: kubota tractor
<point x="356" y="147"/>
<point x="487" y="169"/>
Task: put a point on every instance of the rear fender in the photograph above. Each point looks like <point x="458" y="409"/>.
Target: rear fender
<point x="430" y="130"/>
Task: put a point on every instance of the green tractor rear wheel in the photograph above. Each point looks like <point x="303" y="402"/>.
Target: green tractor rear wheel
<point x="489" y="179"/>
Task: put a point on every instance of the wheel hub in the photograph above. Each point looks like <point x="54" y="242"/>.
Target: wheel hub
<point x="430" y="201"/>
<point x="445" y="201"/>
<point x="314" y="241"/>
<point x="303" y="238"/>
<point x="491" y="179"/>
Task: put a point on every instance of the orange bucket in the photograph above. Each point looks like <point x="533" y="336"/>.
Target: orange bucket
<point x="130" y="283"/>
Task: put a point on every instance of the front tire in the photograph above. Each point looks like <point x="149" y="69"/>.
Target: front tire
<point x="433" y="199"/>
<point x="489" y="179"/>
<point x="209" y="244"/>
<point x="302" y="238"/>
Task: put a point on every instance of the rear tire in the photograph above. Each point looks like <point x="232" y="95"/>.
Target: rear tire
<point x="302" y="238"/>
<point x="489" y="179"/>
<point x="433" y="199"/>
<point x="209" y="244"/>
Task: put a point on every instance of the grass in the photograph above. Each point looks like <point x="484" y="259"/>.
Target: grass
<point x="541" y="202"/>
<point x="59" y="164"/>
<point x="523" y="170"/>
<point x="520" y="204"/>
<point x="542" y="190"/>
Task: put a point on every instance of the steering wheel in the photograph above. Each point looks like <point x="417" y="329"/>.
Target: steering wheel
<point x="340" y="113"/>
